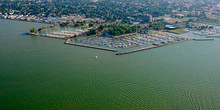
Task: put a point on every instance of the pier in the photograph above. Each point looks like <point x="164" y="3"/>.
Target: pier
<point x="151" y="47"/>
<point x="88" y="46"/>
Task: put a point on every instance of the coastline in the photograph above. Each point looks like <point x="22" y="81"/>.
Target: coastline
<point x="27" y="21"/>
<point x="107" y="49"/>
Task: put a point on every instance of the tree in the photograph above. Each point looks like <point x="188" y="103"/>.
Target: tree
<point x="101" y="27"/>
<point x="91" y="24"/>
<point x="32" y="30"/>
<point x="203" y="27"/>
<point x="64" y="24"/>
<point x="77" y="25"/>
<point x="55" y="24"/>
<point x="92" y="32"/>
<point x="40" y="29"/>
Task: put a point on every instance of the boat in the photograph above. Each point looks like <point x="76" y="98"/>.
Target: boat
<point x="156" y="44"/>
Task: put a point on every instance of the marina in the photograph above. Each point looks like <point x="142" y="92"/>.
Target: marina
<point x="130" y="41"/>
<point x="160" y="36"/>
<point x="208" y="32"/>
<point x="64" y="34"/>
<point x="151" y="47"/>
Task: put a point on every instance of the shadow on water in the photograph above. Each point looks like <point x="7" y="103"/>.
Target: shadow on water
<point x="25" y="33"/>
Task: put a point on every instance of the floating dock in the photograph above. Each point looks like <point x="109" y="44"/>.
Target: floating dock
<point x="88" y="46"/>
<point x="151" y="47"/>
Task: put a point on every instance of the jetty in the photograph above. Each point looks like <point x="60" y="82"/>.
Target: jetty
<point x="213" y="36"/>
<point x="88" y="46"/>
<point x="151" y="47"/>
<point x="202" y="39"/>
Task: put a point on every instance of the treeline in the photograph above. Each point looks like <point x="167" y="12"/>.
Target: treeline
<point x="80" y="24"/>
<point x="114" y="29"/>
<point x="207" y="20"/>
<point x="51" y="26"/>
<point x="157" y="25"/>
<point x="204" y="27"/>
<point x="33" y="30"/>
<point x="122" y="29"/>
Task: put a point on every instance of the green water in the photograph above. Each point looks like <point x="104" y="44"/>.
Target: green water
<point x="43" y="73"/>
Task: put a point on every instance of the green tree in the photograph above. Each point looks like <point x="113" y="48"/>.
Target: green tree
<point x="64" y="24"/>
<point x="32" y="30"/>
<point x="77" y="25"/>
<point x="101" y="27"/>
<point x="40" y="29"/>
<point x="91" y="24"/>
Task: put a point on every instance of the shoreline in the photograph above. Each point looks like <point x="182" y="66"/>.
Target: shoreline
<point x="27" y="21"/>
<point x="107" y="49"/>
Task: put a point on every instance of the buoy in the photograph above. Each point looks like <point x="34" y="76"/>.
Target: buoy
<point x="96" y="56"/>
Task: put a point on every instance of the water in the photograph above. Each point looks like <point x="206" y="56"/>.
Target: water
<point x="43" y="73"/>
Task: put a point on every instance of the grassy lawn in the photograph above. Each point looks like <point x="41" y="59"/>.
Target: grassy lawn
<point x="177" y="31"/>
<point x="208" y="20"/>
<point x="186" y="18"/>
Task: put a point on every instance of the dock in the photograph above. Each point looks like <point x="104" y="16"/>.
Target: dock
<point x="151" y="47"/>
<point x="88" y="46"/>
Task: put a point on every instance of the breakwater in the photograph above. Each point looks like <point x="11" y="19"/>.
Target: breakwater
<point x="213" y="36"/>
<point x="202" y="39"/>
<point x="88" y="46"/>
<point x="151" y="47"/>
